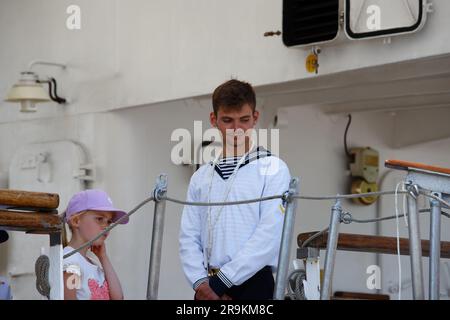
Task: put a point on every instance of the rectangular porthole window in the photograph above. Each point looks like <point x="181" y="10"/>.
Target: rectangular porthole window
<point x="377" y="18"/>
<point x="307" y="22"/>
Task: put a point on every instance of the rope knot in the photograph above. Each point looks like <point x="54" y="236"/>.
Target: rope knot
<point x="41" y="268"/>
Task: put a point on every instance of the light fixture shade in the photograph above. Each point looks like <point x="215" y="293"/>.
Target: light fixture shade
<point x="34" y="92"/>
<point x="27" y="92"/>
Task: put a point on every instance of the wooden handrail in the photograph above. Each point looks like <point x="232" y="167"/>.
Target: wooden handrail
<point x="406" y="165"/>
<point x="26" y="199"/>
<point x="30" y="221"/>
<point x="367" y="243"/>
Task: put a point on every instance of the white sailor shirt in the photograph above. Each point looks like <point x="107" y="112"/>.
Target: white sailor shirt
<point x="246" y="237"/>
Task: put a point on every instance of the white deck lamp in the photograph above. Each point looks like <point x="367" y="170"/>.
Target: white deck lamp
<point x="29" y="90"/>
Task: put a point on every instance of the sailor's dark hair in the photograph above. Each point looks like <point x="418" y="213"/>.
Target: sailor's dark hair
<point x="233" y="94"/>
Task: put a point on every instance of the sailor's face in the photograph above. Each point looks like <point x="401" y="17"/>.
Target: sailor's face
<point x="235" y="124"/>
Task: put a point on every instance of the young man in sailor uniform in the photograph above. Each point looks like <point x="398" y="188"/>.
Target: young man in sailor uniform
<point x="230" y="252"/>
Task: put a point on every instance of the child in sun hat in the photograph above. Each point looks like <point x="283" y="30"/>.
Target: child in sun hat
<point x="88" y="213"/>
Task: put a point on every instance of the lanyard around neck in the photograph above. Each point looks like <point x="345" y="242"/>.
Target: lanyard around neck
<point x="229" y="185"/>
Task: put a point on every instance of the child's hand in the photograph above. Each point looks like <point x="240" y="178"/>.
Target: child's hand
<point x="99" y="251"/>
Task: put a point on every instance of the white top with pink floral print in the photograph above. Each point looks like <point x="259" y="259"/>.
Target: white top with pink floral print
<point x="86" y="277"/>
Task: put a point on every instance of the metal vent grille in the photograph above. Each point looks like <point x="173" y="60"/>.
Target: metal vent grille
<point x="309" y="21"/>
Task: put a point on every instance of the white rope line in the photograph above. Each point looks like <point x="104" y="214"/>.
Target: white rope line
<point x="206" y="204"/>
<point x="332" y="197"/>
<point x="393" y="217"/>
<point x="348" y="196"/>
<point x="283" y="196"/>
<point x="445" y="203"/>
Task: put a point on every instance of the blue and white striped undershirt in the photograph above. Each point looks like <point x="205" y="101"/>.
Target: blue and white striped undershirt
<point x="226" y="166"/>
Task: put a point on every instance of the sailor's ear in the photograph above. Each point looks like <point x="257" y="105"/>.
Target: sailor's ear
<point x="255" y="116"/>
<point x="213" y="119"/>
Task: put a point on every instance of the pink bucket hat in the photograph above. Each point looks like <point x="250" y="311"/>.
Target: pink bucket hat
<point x="96" y="200"/>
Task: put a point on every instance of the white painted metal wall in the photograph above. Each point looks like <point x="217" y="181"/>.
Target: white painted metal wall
<point x="138" y="52"/>
<point x="154" y="56"/>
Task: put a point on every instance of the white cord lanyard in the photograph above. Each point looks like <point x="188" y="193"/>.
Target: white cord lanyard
<point x="227" y="193"/>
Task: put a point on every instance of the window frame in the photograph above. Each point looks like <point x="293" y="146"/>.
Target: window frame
<point x="381" y="33"/>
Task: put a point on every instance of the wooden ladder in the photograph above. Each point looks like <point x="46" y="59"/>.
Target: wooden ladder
<point x="35" y="212"/>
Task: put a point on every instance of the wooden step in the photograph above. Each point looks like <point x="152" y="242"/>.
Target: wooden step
<point x="34" y="222"/>
<point x="342" y="295"/>
<point x="367" y="243"/>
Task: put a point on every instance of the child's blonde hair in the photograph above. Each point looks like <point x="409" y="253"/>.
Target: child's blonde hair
<point x="64" y="235"/>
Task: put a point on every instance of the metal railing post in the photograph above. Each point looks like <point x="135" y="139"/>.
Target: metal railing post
<point x="55" y="272"/>
<point x="333" y="234"/>
<point x="435" y="247"/>
<point x="286" y="239"/>
<point x="157" y="237"/>
<point x="415" y="245"/>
